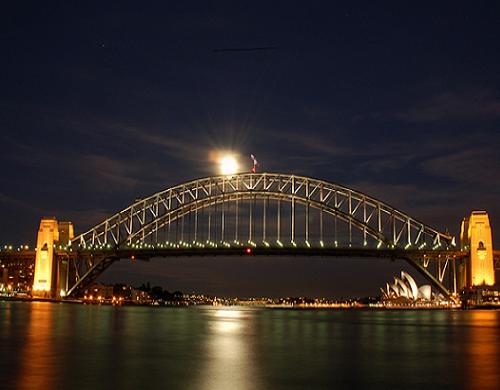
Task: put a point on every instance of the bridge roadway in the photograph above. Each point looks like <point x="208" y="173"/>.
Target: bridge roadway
<point x="148" y="253"/>
<point x="100" y="259"/>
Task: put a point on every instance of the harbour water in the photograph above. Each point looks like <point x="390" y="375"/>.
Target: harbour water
<point x="70" y="346"/>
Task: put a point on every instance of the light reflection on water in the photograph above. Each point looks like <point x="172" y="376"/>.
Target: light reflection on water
<point x="38" y="343"/>
<point x="483" y="368"/>
<point x="229" y="351"/>
<point x="49" y="346"/>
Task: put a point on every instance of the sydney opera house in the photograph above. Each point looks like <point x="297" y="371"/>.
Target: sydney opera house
<point x="405" y="290"/>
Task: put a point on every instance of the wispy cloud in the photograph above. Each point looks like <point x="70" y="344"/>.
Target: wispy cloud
<point x="310" y="141"/>
<point x="109" y="173"/>
<point x="475" y="167"/>
<point x="19" y="204"/>
<point x="81" y="218"/>
<point x="173" y="144"/>
<point x="454" y="105"/>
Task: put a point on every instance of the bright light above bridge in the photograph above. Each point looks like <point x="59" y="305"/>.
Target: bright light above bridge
<point x="228" y="165"/>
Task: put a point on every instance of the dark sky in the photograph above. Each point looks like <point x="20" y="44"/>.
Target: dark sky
<point x="102" y="103"/>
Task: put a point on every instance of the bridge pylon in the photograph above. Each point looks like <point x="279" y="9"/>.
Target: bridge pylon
<point x="51" y="272"/>
<point x="475" y="236"/>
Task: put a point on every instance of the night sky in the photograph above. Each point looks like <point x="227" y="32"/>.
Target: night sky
<point x="103" y="103"/>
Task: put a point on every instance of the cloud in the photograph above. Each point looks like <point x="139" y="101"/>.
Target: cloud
<point x="475" y="167"/>
<point x="19" y="204"/>
<point x="404" y="196"/>
<point x="169" y="148"/>
<point x="80" y="218"/>
<point x="173" y="144"/>
<point x="110" y="173"/>
<point x="310" y="141"/>
<point x="452" y="106"/>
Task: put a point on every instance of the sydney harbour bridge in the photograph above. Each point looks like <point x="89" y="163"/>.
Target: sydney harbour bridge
<point x="261" y="214"/>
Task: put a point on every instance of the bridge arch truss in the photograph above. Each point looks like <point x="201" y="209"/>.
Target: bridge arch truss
<point x="141" y="222"/>
<point x="216" y="214"/>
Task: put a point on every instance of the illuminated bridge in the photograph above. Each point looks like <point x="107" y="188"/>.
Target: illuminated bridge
<point x="249" y="214"/>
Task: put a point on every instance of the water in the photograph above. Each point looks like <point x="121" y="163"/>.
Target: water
<point x="64" y="346"/>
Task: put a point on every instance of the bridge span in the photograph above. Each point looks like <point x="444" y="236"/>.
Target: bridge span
<point x="428" y="259"/>
<point x="261" y="214"/>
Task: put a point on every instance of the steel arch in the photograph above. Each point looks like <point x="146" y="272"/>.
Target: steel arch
<point x="396" y="234"/>
<point x="151" y="227"/>
<point x="391" y="227"/>
<point x="364" y="212"/>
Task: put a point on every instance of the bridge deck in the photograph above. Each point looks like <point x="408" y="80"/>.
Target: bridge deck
<point x="147" y="253"/>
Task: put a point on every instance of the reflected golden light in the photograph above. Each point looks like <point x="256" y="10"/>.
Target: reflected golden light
<point x="227" y="320"/>
<point x="231" y="352"/>
<point x="227" y="327"/>
<point x="228" y="313"/>
<point x="38" y="359"/>
<point x="482" y="350"/>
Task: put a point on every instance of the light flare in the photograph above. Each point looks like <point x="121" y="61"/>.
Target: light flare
<point x="228" y="165"/>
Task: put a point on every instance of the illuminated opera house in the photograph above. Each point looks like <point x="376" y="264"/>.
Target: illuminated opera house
<point x="405" y="290"/>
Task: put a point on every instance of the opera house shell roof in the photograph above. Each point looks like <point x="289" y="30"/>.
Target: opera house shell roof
<point x="406" y="287"/>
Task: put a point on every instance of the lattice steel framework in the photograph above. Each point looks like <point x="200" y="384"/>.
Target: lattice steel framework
<point x="388" y="226"/>
<point x="267" y="210"/>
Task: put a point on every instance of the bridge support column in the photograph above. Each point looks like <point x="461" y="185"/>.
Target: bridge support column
<point x="475" y="236"/>
<point x="51" y="271"/>
<point x="66" y="234"/>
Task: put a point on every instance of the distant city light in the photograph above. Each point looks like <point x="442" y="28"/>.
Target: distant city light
<point x="228" y="165"/>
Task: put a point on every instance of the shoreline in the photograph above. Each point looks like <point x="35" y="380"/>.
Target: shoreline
<point x="265" y="306"/>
